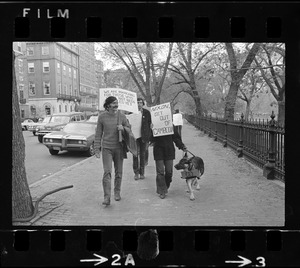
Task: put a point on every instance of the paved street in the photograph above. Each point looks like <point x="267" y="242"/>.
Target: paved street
<point x="39" y="163"/>
<point x="233" y="193"/>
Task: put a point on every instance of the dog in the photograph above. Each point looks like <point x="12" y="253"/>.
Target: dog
<point x="193" y="169"/>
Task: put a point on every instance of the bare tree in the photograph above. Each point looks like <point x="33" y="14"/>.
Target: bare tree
<point x="186" y="69"/>
<point x="274" y="74"/>
<point x="22" y="206"/>
<point x="147" y="72"/>
<point x="237" y="75"/>
<point x="251" y="85"/>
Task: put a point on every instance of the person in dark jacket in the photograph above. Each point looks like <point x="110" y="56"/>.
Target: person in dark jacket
<point x="164" y="154"/>
<point x="141" y="129"/>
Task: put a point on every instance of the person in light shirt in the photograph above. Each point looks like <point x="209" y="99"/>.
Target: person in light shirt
<point x="177" y="121"/>
<point x="141" y="129"/>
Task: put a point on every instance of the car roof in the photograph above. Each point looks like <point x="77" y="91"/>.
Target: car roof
<point x="82" y="122"/>
<point x="67" y="114"/>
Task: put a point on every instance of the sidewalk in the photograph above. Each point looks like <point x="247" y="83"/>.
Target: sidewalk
<point x="233" y="193"/>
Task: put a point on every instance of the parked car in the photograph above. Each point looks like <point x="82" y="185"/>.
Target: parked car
<point x="57" y="123"/>
<point x="75" y="136"/>
<point x="35" y="128"/>
<point x="26" y="123"/>
<point x="93" y="118"/>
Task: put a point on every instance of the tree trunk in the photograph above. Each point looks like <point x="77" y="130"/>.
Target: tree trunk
<point x="230" y="101"/>
<point x="22" y="206"/>
<point x="281" y="113"/>
<point x="248" y="103"/>
<point x="237" y="76"/>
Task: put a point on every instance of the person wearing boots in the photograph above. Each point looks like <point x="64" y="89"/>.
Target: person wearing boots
<point x="141" y="128"/>
<point x="107" y="138"/>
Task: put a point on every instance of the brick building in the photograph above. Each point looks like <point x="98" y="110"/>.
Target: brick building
<point x="87" y="80"/>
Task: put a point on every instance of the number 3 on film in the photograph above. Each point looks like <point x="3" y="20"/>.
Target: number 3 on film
<point x="261" y="261"/>
<point x="117" y="258"/>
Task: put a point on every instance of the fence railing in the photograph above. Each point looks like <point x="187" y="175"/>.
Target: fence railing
<point x="259" y="141"/>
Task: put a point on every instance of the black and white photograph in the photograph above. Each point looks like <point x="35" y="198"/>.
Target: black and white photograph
<point x="148" y="134"/>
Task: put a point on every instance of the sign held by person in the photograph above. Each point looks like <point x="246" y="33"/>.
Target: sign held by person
<point x="161" y="116"/>
<point x="127" y="99"/>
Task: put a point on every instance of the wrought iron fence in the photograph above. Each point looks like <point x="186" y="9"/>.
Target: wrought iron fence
<point x="259" y="141"/>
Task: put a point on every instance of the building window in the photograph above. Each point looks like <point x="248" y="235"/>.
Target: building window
<point x="58" y="67"/>
<point x="21" y="89"/>
<point x="45" y="50"/>
<point x="71" y="110"/>
<point x="74" y="74"/>
<point x="47" y="109"/>
<point x="59" y="88"/>
<point x="65" y="89"/>
<point x="33" y="110"/>
<point x="75" y="90"/>
<point x="64" y="69"/>
<point x="59" y="107"/>
<point x="66" y="108"/>
<point x="46" y="86"/>
<point x="71" y="90"/>
<point x="22" y="113"/>
<point x="21" y="78"/>
<point x="57" y="52"/>
<point x="30" y="51"/>
<point x="30" y="67"/>
<point x="31" y="88"/>
<point x="70" y="72"/>
<point x="46" y="67"/>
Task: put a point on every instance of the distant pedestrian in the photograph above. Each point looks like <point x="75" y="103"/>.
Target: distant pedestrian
<point x="141" y="128"/>
<point x="107" y="138"/>
<point x="178" y="121"/>
<point x="164" y="154"/>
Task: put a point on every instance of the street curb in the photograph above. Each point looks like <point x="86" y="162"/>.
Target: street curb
<point x="60" y="172"/>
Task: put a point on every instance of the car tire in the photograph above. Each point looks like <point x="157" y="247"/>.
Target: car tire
<point x="33" y="132"/>
<point x="91" y="150"/>
<point x="40" y="138"/>
<point x="53" y="152"/>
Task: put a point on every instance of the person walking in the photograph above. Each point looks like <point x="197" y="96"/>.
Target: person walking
<point x="178" y="121"/>
<point x="141" y="128"/>
<point x="107" y="140"/>
<point x="164" y="154"/>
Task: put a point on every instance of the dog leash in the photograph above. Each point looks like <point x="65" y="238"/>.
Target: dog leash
<point x="190" y="152"/>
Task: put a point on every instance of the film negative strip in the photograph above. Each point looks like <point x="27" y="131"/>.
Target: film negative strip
<point x="238" y="218"/>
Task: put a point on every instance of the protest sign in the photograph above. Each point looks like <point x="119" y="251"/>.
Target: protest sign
<point x="135" y="120"/>
<point x="127" y="99"/>
<point x="161" y="117"/>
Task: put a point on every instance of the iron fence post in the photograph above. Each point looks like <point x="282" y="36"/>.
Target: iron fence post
<point x="269" y="167"/>
<point x="216" y="129"/>
<point x="209" y="134"/>
<point x="225" y="140"/>
<point x="204" y="123"/>
<point x="240" y="148"/>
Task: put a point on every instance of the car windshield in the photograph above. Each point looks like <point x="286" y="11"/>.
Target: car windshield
<point x="93" y="118"/>
<point x="46" y="119"/>
<point x="80" y="128"/>
<point x="60" y="119"/>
